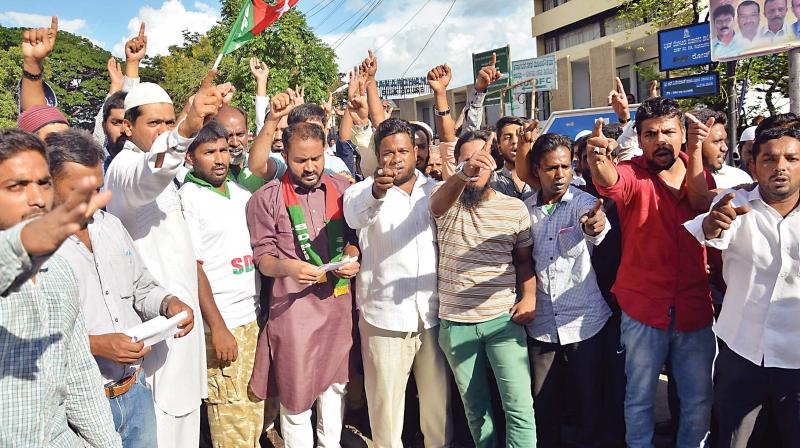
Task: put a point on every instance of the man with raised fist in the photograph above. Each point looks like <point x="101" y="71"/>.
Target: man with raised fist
<point x="146" y="200"/>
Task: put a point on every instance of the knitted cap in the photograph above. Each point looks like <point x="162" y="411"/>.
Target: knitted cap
<point x="38" y="117"/>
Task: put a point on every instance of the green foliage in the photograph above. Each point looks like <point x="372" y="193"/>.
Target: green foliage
<point x="76" y="71"/>
<point x="295" y="56"/>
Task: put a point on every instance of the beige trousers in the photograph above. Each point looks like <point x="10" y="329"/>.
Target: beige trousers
<point x="389" y="358"/>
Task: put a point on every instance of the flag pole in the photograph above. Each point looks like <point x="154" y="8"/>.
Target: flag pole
<point x="216" y="63"/>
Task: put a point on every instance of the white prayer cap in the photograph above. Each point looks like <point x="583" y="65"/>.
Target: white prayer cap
<point x="146" y="93"/>
<point x="582" y="133"/>
<point x="427" y="129"/>
<point x="748" y="135"/>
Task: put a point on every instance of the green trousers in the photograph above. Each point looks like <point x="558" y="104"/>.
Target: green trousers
<point x="471" y="348"/>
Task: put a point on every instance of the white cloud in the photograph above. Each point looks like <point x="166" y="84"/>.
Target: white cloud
<point x="23" y="19"/>
<point x="165" y="25"/>
<point x="472" y="27"/>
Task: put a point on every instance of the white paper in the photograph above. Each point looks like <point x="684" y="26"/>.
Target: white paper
<point x="156" y="330"/>
<point x="334" y="266"/>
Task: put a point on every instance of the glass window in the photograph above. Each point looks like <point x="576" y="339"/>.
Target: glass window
<point x="550" y="4"/>
<point x="550" y="45"/>
<point x="648" y="68"/>
<point x="578" y="36"/>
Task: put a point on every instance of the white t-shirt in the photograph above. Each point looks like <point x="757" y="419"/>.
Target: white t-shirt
<point x="218" y="228"/>
<point x="730" y="176"/>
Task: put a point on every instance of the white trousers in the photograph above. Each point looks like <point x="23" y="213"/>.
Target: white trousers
<point x="178" y="432"/>
<point x="296" y="428"/>
<point x="389" y="358"/>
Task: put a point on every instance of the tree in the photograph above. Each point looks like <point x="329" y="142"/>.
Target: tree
<point x="76" y="70"/>
<point x="294" y="54"/>
<point x="764" y="74"/>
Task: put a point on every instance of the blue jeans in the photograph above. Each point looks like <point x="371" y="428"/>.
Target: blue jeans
<point x="691" y="354"/>
<point x="135" y="416"/>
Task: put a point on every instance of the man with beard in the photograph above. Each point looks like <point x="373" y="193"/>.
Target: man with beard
<point x="50" y="387"/>
<point x="715" y="150"/>
<point x="748" y="16"/>
<point x="397" y="298"/>
<point x="776" y="30"/>
<point x="566" y="336"/>
<point x="434" y="167"/>
<point x="214" y="206"/>
<point x="116" y="291"/>
<point x="484" y="256"/>
<point x="423" y="139"/>
<point x="757" y="233"/>
<point x="506" y="180"/>
<point x="726" y="43"/>
<point x="146" y="200"/>
<point x="297" y="226"/>
<point x="662" y="285"/>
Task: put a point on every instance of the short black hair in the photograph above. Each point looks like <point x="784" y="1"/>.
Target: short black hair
<point x="15" y="141"/>
<point x="115" y="101"/>
<point x="705" y="113"/>
<point x="580" y="144"/>
<point x="303" y="131"/>
<point x="658" y="107"/>
<point x="787" y="120"/>
<point x="612" y="130"/>
<point x="211" y="131"/>
<point x="305" y="112"/>
<point x="773" y="134"/>
<point x="507" y="120"/>
<point x="550" y="142"/>
<point x="724" y="10"/>
<point x="749" y="3"/>
<point x="470" y="137"/>
<point x="132" y="114"/>
<point x="770" y="1"/>
<point x="391" y="127"/>
<point x="73" y="145"/>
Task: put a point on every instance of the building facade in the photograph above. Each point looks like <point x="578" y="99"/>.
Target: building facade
<point x="592" y="46"/>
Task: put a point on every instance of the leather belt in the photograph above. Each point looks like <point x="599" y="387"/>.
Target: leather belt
<point x="122" y="386"/>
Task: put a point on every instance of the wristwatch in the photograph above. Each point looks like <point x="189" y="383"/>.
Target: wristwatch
<point x="460" y="172"/>
<point x="441" y="113"/>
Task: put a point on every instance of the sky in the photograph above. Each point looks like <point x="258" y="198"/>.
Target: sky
<point x="472" y="26"/>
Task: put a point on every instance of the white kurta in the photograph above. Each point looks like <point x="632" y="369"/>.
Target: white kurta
<point x="146" y="200"/>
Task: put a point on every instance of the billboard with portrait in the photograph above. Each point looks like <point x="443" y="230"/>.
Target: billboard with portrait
<point x="744" y="28"/>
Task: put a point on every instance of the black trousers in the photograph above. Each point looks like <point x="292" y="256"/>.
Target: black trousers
<point x="556" y="368"/>
<point x="742" y="388"/>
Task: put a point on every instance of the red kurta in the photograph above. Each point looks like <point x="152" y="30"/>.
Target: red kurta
<point x="306" y="345"/>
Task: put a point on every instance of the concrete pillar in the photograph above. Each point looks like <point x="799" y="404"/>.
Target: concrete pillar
<point x="561" y="98"/>
<point x="602" y="70"/>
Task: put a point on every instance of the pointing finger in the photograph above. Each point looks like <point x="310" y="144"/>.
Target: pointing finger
<point x="710" y="122"/>
<point x="620" y="87"/>
<point x="726" y="200"/>
<point x="597" y="206"/>
<point x="141" y="30"/>
<point x="494" y="60"/>
<point x="209" y="79"/>
<point x="692" y="118"/>
<point x="598" y="128"/>
<point x="54" y="24"/>
<point x="488" y="145"/>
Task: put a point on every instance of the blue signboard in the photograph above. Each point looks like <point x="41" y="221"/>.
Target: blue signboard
<point x="570" y="123"/>
<point x="685" y="46"/>
<point x="699" y="85"/>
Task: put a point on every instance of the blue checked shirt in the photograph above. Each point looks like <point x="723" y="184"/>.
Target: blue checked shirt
<point x="569" y="305"/>
<point x="50" y="389"/>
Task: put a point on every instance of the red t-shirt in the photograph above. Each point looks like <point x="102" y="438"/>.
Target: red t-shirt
<point x="663" y="267"/>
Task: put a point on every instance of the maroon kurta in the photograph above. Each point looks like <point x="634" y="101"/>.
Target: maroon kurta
<point x="308" y="338"/>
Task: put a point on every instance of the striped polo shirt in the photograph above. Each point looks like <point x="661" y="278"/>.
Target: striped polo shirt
<point x="477" y="278"/>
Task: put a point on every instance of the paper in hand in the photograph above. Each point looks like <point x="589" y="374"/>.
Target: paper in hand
<point x="334" y="266"/>
<point x="156" y="330"/>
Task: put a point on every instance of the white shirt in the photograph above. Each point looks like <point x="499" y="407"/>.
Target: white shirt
<point x="218" y="228"/>
<point x="569" y="305"/>
<point x="730" y="176"/>
<point x="628" y="143"/>
<point x="761" y="266"/>
<point x="783" y="34"/>
<point x="396" y="287"/>
<point x="146" y="200"/>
